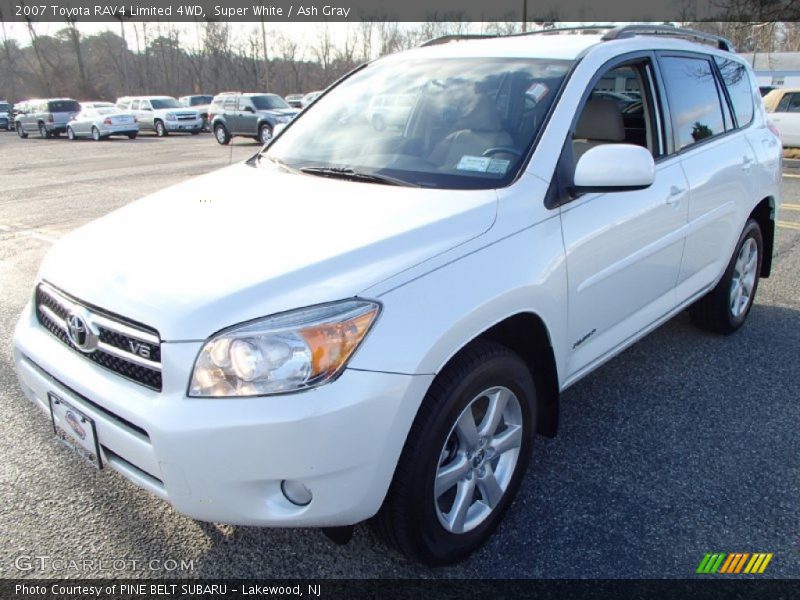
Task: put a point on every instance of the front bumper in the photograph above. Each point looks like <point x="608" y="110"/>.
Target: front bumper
<point x="193" y="125"/>
<point x="223" y="460"/>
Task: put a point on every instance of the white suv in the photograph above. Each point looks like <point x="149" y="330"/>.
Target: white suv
<point x="162" y="114"/>
<point x="363" y="323"/>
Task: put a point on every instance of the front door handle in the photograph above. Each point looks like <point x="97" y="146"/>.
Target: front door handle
<point x="675" y="195"/>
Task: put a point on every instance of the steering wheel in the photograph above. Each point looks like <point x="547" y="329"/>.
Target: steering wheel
<point x="502" y="149"/>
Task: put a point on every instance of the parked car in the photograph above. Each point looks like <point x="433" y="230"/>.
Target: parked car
<point x="309" y="98"/>
<point x="766" y="89"/>
<point x="97" y="104"/>
<point x="390" y="110"/>
<point x="374" y="325"/>
<point x="294" y="100"/>
<point x="783" y="106"/>
<point x="253" y="115"/>
<point x="5" y="115"/>
<point x="47" y="117"/>
<point x="101" y="123"/>
<point x="199" y="102"/>
<point x="162" y="114"/>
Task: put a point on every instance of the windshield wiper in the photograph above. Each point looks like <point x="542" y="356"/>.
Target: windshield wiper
<point x="350" y="174"/>
<point x="277" y="161"/>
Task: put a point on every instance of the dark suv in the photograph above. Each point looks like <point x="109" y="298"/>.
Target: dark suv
<point x="251" y="115"/>
<point x="48" y="117"/>
<point x="5" y="115"/>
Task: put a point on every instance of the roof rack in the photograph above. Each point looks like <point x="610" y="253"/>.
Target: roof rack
<point x="612" y="32"/>
<point x="627" y="31"/>
<point x="458" y="37"/>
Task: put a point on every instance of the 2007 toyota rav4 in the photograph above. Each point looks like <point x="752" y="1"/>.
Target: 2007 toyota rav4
<point x="361" y="323"/>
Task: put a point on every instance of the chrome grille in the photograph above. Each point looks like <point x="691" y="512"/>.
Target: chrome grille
<point x="125" y="347"/>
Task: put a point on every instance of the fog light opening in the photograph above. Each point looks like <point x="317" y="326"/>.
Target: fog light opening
<point x="296" y="492"/>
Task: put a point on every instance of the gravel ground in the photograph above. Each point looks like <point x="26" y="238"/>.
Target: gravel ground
<point x="682" y="445"/>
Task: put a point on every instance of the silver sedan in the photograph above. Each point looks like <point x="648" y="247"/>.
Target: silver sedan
<point x="101" y="123"/>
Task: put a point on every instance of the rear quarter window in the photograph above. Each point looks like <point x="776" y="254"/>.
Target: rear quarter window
<point x="740" y="90"/>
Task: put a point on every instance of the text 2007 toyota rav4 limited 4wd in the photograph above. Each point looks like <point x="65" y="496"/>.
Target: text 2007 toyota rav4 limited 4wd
<point x="374" y="324"/>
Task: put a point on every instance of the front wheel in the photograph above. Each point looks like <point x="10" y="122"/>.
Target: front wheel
<point x="725" y="308"/>
<point x="21" y="131"/>
<point x="463" y="459"/>
<point x="131" y="136"/>
<point x="161" y="130"/>
<point x="70" y="133"/>
<point x="264" y="133"/>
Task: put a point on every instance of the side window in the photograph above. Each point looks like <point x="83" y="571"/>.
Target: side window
<point x="783" y="105"/>
<point x="230" y="103"/>
<point x="794" y="102"/>
<point x="740" y="90"/>
<point x="135" y="105"/>
<point x="694" y="101"/>
<point x="620" y="110"/>
<point x="244" y="103"/>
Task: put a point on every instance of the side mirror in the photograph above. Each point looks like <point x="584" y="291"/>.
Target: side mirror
<point x="249" y="109"/>
<point x="147" y="109"/>
<point x="614" y="168"/>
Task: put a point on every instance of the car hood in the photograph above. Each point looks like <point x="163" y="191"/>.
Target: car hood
<point x="246" y="242"/>
<point x="280" y="111"/>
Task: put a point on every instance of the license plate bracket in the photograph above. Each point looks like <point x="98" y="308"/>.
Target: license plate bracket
<point x="75" y="429"/>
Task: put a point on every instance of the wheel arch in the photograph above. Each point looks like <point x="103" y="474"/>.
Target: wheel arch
<point x="764" y="215"/>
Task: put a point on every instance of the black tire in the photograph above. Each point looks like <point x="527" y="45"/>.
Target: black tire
<point x="264" y="133"/>
<point x="161" y="130"/>
<point x="409" y="519"/>
<point x="21" y="131"/>
<point x="132" y="136"/>
<point x="43" y="133"/>
<point x="96" y="134"/>
<point x="195" y="132"/>
<point x="714" y="312"/>
<point x="71" y="134"/>
<point x="221" y="134"/>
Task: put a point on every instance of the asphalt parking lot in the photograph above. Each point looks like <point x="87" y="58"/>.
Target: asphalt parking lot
<point x="684" y="444"/>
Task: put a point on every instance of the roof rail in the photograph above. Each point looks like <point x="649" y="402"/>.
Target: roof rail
<point x="584" y="29"/>
<point x="458" y="37"/>
<point x="627" y="31"/>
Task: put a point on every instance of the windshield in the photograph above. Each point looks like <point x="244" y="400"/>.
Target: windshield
<point x="269" y="102"/>
<point x="4" y="107"/>
<point x="462" y="123"/>
<point x="200" y="100"/>
<point x="159" y="103"/>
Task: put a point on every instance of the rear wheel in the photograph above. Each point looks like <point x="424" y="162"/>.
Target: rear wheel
<point x="725" y="308"/>
<point x="131" y="136"/>
<point x="70" y="133"/>
<point x="96" y="134"/>
<point x="463" y="459"/>
<point x="20" y="131"/>
<point x="43" y="133"/>
<point x="221" y="134"/>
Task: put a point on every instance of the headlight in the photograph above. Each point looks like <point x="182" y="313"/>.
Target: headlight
<point x="283" y="119"/>
<point x="291" y="351"/>
<point x="171" y="116"/>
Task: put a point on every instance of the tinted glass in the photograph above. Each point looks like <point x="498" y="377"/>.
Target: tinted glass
<point x="783" y="105"/>
<point x="230" y="104"/>
<point x="58" y="106"/>
<point x="693" y="99"/>
<point x="794" y="102"/>
<point x="159" y="103"/>
<point x="740" y="90"/>
<point x="4" y="107"/>
<point x="269" y="102"/>
<point x="200" y="100"/>
<point x="453" y="123"/>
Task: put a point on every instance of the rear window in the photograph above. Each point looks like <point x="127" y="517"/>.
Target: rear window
<point x="693" y="99"/>
<point x="59" y="106"/>
<point x="200" y="100"/>
<point x="4" y="107"/>
<point x="740" y="90"/>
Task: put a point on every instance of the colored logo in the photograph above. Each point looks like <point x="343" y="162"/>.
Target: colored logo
<point x="75" y="424"/>
<point x="734" y="563"/>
